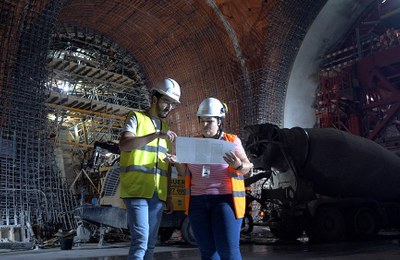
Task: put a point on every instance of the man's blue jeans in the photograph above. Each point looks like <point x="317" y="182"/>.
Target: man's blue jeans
<point x="144" y="218"/>
<point x="215" y="227"/>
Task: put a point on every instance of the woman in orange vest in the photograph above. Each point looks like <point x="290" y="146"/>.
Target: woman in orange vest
<point x="215" y="193"/>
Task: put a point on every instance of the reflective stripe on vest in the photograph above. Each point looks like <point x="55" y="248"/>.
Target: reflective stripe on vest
<point x="152" y="149"/>
<point x="238" y="188"/>
<point x="143" y="170"/>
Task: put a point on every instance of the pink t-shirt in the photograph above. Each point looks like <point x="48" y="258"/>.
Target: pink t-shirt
<point x="218" y="182"/>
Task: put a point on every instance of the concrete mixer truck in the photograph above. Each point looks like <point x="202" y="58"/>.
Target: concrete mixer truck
<point x="326" y="182"/>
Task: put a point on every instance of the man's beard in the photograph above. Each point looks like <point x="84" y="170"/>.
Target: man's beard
<point x="162" y="113"/>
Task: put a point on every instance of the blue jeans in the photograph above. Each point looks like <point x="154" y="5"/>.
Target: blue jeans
<point x="144" y="218"/>
<point x="215" y="227"/>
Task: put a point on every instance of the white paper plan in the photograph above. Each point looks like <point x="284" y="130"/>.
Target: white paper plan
<point x="202" y="150"/>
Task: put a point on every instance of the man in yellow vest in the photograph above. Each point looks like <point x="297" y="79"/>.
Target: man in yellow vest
<point x="145" y="174"/>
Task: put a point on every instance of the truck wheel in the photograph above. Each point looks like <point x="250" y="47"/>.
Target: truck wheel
<point x="288" y="228"/>
<point x="165" y="234"/>
<point x="328" y="225"/>
<point x="364" y="224"/>
<point x="247" y="224"/>
<point x="187" y="233"/>
<point x="285" y="232"/>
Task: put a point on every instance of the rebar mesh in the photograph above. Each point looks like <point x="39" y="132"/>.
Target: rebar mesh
<point x="288" y="22"/>
<point x="32" y="190"/>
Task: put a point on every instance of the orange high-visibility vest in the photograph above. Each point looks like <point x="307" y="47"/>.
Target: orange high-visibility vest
<point x="238" y="189"/>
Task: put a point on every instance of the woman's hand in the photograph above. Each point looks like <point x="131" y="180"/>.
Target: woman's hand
<point x="233" y="161"/>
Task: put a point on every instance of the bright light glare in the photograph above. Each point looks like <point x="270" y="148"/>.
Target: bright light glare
<point x="65" y="86"/>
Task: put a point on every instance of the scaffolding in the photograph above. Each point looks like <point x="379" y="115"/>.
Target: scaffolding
<point x="359" y="81"/>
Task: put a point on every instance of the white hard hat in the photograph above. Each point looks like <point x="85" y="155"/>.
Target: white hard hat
<point x="211" y="107"/>
<point x="170" y="88"/>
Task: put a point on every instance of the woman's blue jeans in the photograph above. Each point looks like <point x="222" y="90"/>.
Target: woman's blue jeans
<point x="215" y="227"/>
<point x="144" y="218"/>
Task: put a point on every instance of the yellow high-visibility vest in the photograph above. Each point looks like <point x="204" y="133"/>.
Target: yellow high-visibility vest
<point x="238" y="188"/>
<point x="143" y="170"/>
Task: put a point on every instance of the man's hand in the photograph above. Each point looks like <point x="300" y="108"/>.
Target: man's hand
<point x="180" y="167"/>
<point x="168" y="135"/>
<point x="171" y="158"/>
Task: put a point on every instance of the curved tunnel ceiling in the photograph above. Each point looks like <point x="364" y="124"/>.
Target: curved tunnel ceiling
<point x="238" y="51"/>
<point x="179" y="39"/>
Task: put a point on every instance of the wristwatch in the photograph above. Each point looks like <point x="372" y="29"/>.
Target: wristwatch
<point x="239" y="167"/>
